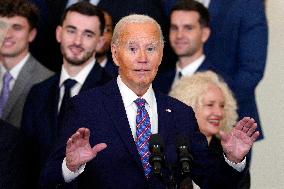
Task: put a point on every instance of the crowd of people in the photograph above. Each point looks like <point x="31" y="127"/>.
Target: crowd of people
<point x="84" y="85"/>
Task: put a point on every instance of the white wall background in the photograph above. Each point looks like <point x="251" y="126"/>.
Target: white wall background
<point x="268" y="156"/>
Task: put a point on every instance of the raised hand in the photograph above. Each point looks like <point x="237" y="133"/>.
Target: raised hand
<point x="79" y="150"/>
<point x="239" y="141"/>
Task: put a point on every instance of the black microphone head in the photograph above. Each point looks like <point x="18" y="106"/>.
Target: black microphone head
<point x="182" y="140"/>
<point x="155" y="140"/>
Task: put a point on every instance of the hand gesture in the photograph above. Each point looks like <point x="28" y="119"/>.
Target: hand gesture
<point x="79" y="150"/>
<point x="239" y="141"/>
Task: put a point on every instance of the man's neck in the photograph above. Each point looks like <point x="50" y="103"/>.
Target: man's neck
<point x="100" y="59"/>
<point x="10" y="62"/>
<point x="73" y="70"/>
<point x="183" y="61"/>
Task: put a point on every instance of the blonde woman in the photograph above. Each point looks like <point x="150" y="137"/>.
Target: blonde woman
<point x="214" y="107"/>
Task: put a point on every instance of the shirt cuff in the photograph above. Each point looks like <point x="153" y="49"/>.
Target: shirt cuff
<point x="70" y="175"/>
<point x="237" y="166"/>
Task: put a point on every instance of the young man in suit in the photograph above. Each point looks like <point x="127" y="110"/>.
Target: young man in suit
<point x="102" y="54"/>
<point x="110" y="149"/>
<point x="79" y="34"/>
<point x="238" y="46"/>
<point x="19" y="70"/>
<point x="189" y="30"/>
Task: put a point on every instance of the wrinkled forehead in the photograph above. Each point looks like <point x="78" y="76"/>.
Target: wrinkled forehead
<point x="142" y="33"/>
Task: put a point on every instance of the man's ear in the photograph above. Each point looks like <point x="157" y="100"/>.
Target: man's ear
<point x="58" y="33"/>
<point x="100" y="43"/>
<point x="32" y="34"/>
<point x="114" y="51"/>
<point x="205" y="34"/>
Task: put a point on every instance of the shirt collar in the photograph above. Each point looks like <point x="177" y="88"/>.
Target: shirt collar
<point x="17" y="68"/>
<point x="80" y="77"/>
<point x="128" y="96"/>
<point x="192" y="67"/>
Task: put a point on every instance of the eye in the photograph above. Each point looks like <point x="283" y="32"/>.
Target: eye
<point x="188" y="28"/>
<point x="151" y="49"/>
<point x="17" y="27"/>
<point x="133" y="49"/>
<point x="70" y="30"/>
<point x="173" y="28"/>
<point x="88" y="35"/>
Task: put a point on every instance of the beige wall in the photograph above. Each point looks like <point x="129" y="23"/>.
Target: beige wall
<point x="268" y="156"/>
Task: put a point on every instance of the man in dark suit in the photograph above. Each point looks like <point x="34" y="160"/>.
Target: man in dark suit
<point x="79" y="34"/>
<point x="19" y="70"/>
<point x="105" y="118"/>
<point x="189" y="30"/>
<point x="103" y="54"/>
<point x="238" y="46"/>
<point x="51" y="12"/>
<point x="11" y="157"/>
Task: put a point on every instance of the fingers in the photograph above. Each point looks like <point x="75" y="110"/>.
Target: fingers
<point x="255" y="136"/>
<point x="252" y="129"/>
<point x="81" y="133"/>
<point x="99" y="147"/>
<point x="241" y="123"/>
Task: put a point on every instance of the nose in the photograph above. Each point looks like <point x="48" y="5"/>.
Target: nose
<point x="78" y="39"/>
<point x="142" y="57"/>
<point x="219" y="111"/>
<point x="179" y="34"/>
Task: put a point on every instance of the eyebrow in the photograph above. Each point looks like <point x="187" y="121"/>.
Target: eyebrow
<point x="85" y="31"/>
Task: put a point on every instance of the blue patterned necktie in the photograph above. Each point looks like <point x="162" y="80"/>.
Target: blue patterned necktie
<point x="143" y="133"/>
<point x="5" y="91"/>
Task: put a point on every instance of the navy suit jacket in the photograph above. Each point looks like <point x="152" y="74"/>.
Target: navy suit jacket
<point x="12" y="175"/>
<point x="238" y="46"/>
<point x="39" y="123"/>
<point x="164" y="80"/>
<point x="110" y="68"/>
<point x="118" y="166"/>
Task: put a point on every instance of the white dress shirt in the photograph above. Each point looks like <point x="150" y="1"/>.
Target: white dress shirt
<point x="14" y="72"/>
<point x="80" y="78"/>
<point x="71" y="2"/>
<point x="204" y="2"/>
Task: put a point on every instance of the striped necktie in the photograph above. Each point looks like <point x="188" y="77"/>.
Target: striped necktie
<point x="143" y="133"/>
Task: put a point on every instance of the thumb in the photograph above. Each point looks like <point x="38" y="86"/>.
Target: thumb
<point x="223" y="136"/>
<point x="99" y="147"/>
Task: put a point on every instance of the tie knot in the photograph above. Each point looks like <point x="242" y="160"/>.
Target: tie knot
<point x="69" y="83"/>
<point x="140" y="102"/>
<point x="7" y="77"/>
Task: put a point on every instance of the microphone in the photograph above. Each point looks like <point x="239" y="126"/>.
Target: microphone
<point x="156" y="159"/>
<point x="184" y="157"/>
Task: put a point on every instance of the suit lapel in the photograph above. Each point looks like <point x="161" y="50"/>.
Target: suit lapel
<point x="94" y="78"/>
<point x="115" y="107"/>
<point x="24" y="78"/>
<point x="52" y="104"/>
<point x="164" y="115"/>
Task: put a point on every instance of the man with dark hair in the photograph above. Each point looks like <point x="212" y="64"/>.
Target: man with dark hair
<point x="79" y="35"/>
<point x="189" y="30"/>
<point x="103" y="54"/>
<point x="19" y="70"/>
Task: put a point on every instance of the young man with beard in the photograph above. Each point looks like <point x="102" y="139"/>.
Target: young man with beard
<point x="79" y="35"/>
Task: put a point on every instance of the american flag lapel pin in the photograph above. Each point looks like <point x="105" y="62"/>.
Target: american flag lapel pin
<point x="168" y="110"/>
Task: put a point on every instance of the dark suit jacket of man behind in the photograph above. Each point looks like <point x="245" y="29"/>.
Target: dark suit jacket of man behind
<point x="238" y="47"/>
<point x="119" y="165"/>
<point x="40" y="123"/>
